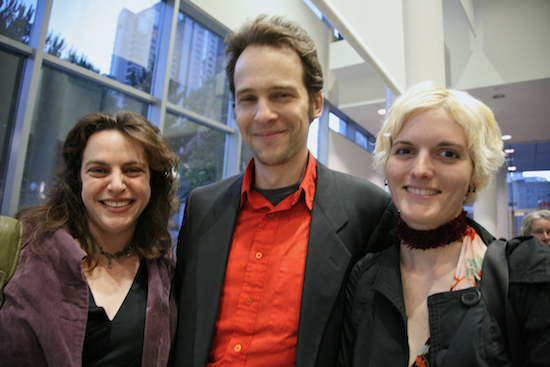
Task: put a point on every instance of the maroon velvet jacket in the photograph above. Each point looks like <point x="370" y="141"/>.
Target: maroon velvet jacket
<point x="43" y="319"/>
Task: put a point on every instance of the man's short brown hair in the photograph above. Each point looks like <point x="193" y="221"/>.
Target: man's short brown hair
<point x="279" y="33"/>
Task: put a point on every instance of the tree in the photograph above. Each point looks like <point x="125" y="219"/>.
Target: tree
<point x="15" y="20"/>
<point x="54" y="46"/>
<point x="80" y="60"/>
<point x="206" y="161"/>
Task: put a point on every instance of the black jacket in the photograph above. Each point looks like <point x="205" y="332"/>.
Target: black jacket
<point x="350" y="217"/>
<point x="375" y="324"/>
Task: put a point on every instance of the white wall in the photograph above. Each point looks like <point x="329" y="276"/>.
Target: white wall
<point x="510" y="42"/>
<point x="348" y="157"/>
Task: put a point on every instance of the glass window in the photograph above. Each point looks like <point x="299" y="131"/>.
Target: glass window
<point x="361" y="139"/>
<point x="337" y="124"/>
<point x="17" y="19"/>
<point x="527" y="191"/>
<point x="201" y="152"/>
<point x="62" y="100"/>
<point x="10" y="76"/>
<point x="115" y="38"/>
<point x="197" y="76"/>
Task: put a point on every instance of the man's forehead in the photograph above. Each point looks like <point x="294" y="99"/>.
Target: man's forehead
<point x="282" y="67"/>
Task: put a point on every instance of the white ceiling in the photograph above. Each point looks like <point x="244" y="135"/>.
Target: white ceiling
<point x="523" y="112"/>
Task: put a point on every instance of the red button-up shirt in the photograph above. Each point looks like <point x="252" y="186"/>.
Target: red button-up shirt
<point x="257" y="323"/>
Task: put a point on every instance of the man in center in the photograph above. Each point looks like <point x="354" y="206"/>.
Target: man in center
<point x="264" y="257"/>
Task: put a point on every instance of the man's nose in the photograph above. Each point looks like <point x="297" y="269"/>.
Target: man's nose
<point x="265" y="111"/>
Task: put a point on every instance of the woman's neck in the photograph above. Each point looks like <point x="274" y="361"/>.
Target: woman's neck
<point x="430" y="261"/>
<point x="112" y="243"/>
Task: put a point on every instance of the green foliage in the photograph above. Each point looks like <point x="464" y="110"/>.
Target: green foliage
<point x="206" y="160"/>
<point x="204" y="100"/>
<point x="15" y="20"/>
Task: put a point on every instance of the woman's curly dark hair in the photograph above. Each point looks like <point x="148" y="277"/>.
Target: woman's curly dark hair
<point x="65" y="209"/>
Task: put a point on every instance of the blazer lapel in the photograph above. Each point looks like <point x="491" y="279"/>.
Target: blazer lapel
<point x="326" y="265"/>
<point x="213" y="251"/>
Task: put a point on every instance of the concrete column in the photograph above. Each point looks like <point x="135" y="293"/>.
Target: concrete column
<point x="485" y="208"/>
<point x="504" y="219"/>
<point x="424" y="41"/>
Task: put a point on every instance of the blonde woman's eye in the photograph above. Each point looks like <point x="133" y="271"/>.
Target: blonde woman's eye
<point x="449" y="154"/>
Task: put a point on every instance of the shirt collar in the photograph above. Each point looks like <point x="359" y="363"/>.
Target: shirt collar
<point x="307" y="186"/>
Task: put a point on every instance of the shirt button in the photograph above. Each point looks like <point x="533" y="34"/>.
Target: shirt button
<point x="259" y="255"/>
<point x="237" y="348"/>
<point x="249" y="301"/>
<point x="270" y="215"/>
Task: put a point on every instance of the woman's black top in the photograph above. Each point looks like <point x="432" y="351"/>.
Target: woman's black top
<point x="117" y="342"/>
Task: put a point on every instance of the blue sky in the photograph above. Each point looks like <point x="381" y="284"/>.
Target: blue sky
<point x="90" y="26"/>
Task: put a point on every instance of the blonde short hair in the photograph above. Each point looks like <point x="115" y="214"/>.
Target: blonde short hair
<point x="476" y="119"/>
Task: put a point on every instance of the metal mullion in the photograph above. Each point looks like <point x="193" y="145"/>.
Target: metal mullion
<point x="18" y="47"/>
<point x="28" y="92"/>
<point x="196" y="117"/>
<point x="161" y="77"/>
<point x="233" y="147"/>
<point x="96" y="78"/>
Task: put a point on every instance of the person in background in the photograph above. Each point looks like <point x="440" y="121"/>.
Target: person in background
<point x="537" y="223"/>
<point x="93" y="282"/>
<point x="263" y="257"/>
<point x="417" y="302"/>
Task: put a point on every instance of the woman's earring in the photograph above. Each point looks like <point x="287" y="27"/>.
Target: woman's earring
<point x="472" y="190"/>
<point x="386" y="181"/>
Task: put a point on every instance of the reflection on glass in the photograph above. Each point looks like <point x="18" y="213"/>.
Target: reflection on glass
<point x="337" y="124"/>
<point x="197" y="77"/>
<point x="10" y="77"/>
<point x="17" y="19"/>
<point x="115" y="38"/>
<point x="62" y="100"/>
<point x="361" y="139"/>
<point x="201" y="153"/>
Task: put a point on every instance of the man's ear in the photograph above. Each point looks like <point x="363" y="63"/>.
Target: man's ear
<point x="318" y="105"/>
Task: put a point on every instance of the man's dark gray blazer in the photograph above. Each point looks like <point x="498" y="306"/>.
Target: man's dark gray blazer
<point x="350" y="217"/>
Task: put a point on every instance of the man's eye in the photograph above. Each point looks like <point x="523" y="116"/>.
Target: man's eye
<point x="282" y="95"/>
<point x="245" y="99"/>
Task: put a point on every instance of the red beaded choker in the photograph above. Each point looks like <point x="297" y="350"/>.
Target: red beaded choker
<point x="432" y="238"/>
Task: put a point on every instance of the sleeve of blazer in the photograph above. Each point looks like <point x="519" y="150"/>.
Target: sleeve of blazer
<point x="180" y="249"/>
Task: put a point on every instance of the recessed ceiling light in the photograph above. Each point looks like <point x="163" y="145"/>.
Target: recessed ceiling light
<point x="509" y="151"/>
<point x="499" y="96"/>
<point x="382" y="111"/>
<point x="512" y="168"/>
<point x="506" y="137"/>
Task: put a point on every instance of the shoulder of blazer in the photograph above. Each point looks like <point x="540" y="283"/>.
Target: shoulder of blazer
<point x="345" y="188"/>
<point x="217" y="194"/>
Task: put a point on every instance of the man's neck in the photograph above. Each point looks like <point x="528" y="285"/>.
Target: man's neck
<point x="275" y="177"/>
